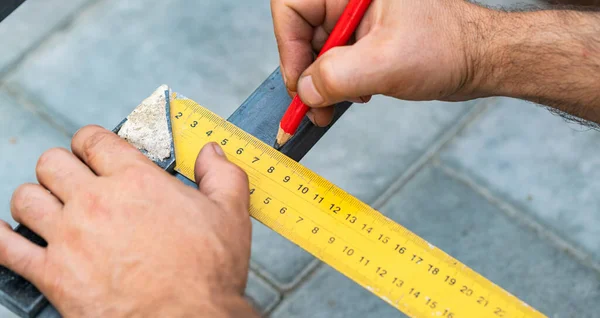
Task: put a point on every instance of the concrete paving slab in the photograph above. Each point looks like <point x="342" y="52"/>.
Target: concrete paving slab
<point x="5" y="313"/>
<point x="261" y="295"/>
<point x="117" y="52"/>
<point x="23" y="138"/>
<point x="539" y="162"/>
<point x="451" y="216"/>
<point x="30" y="23"/>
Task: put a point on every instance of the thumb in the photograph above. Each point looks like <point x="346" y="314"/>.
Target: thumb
<point x="344" y="73"/>
<point x="220" y="180"/>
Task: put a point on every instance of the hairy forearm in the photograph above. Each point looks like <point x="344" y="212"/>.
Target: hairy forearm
<point x="550" y="57"/>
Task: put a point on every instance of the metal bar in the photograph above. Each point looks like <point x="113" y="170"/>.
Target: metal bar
<point x="8" y="6"/>
<point x="259" y="115"/>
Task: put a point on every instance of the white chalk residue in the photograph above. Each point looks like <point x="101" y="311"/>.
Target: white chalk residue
<point x="146" y="127"/>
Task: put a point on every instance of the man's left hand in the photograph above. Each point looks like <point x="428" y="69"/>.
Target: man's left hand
<point x="126" y="238"/>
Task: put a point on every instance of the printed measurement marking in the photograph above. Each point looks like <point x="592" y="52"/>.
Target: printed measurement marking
<point x="347" y="234"/>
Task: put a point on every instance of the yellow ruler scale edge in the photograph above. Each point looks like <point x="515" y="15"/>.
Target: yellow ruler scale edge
<point x="395" y="264"/>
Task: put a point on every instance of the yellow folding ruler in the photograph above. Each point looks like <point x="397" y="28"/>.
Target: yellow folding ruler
<point x="382" y="256"/>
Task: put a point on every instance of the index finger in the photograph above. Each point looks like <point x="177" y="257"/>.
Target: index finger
<point x="105" y="152"/>
<point x="295" y="23"/>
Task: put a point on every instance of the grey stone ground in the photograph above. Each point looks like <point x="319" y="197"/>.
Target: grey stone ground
<point x="513" y="187"/>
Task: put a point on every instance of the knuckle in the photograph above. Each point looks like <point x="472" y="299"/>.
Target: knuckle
<point x="23" y="262"/>
<point x="330" y="85"/>
<point x="238" y="174"/>
<point x="80" y="136"/>
<point x="4" y="253"/>
<point x="137" y="176"/>
<point x="93" y="144"/>
<point x="48" y="157"/>
<point x="95" y="206"/>
<point x="22" y="198"/>
<point x="86" y="130"/>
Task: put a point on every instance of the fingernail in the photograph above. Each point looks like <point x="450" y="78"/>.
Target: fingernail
<point x="311" y="116"/>
<point x="309" y="94"/>
<point x="283" y="75"/>
<point x="360" y="100"/>
<point x="218" y="149"/>
<point x="356" y="100"/>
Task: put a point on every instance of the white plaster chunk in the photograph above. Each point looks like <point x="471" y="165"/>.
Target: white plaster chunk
<point x="146" y="127"/>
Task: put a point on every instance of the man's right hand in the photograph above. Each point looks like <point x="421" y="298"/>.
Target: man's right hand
<point x="450" y="50"/>
<point x="408" y="49"/>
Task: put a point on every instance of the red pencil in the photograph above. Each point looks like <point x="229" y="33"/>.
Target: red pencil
<point x="343" y="30"/>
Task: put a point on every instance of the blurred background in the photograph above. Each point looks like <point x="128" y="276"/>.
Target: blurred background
<point x="503" y="185"/>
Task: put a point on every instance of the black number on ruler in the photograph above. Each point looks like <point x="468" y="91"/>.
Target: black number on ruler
<point x="335" y="208"/>
<point x="267" y="200"/>
<point x="286" y="179"/>
<point x="362" y="258"/>
<point x="303" y="189"/>
<point x="433" y="270"/>
<point x="350" y="218"/>
<point x="368" y="229"/>
<point x="447" y="314"/>
<point x="414" y="293"/>
<point x="331" y="240"/>
<point x="451" y="281"/>
<point x="283" y="210"/>
<point x="382" y="272"/>
<point x="400" y="249"/>
<point x="255" y="159"/>
<point x="315" y="230"/>
<point x="398" y="282"/>
<point x="179" y="114"/>
<point x="300" y="219"/>
<point x="208" y="133"/>
<point x="348" y="251"/>
<point x="383" y="239"/>
<point x="240" y="151"/>
<point x="320" y="199"/>
<point x="417" y="259"/>
<point x="432" y="304"/>
<point x="482" y="301"/>
<point x="466" y="290"/>
<point x="194" y="124"/>
<point x="252" y="191"/>
<point x="271" y="169"/>
<point x="224" y="142"/>
<point x="499" y="312"/>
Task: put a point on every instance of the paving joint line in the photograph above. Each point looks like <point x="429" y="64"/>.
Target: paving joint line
<point x="62" y="26"/>
<point x="22" y="96"/>
<point x="63" y="125"/>
<point x="269" y="283"/>
<point x="523" y="218"/>
<point x="301" y="279"/>
<point x="464" y="121"/>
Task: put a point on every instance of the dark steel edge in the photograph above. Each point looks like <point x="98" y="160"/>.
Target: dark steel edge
<point x="8" y="6"/>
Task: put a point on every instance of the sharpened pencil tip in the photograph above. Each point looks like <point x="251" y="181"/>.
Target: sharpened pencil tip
<point x="281" y="139"/>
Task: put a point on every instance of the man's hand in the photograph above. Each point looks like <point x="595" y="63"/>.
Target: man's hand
<point x="409" y="49"/>
<point x="449" y="50"/>
<point x="127" y="239"/>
